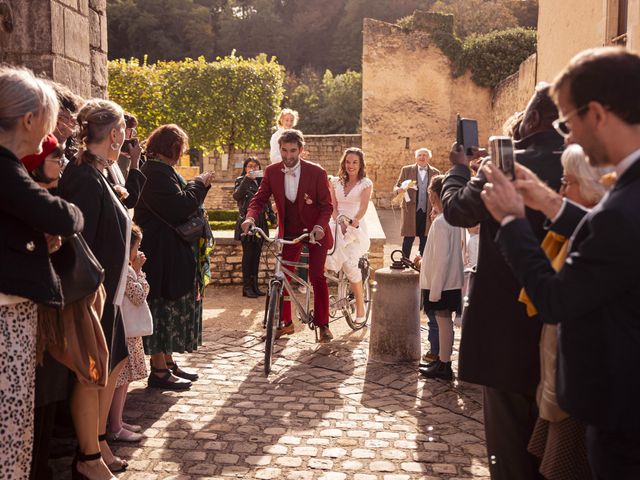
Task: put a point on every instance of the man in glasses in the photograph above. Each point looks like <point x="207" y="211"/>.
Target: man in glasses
<point x="594" y="297"/>
<point x="499" y="344"/>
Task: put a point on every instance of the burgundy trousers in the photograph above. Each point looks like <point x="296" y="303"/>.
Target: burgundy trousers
<point x="317" y="257"/>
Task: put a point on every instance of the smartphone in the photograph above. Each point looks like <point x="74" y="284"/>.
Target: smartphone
<point x="127" y="144"/>
<point x="258" y="173"/>
<point x="467" y="134"/>
<point x="501" y="151"/>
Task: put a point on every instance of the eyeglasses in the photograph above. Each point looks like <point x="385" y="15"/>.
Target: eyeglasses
<point x="564" y="182"/>
<point x="60" y="161"/>
<point x="561" y="124"/>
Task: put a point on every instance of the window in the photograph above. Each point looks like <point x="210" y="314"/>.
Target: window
<point x="619" y="24"/>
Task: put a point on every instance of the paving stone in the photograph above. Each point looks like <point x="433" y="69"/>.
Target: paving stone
<point x="289" y="461"/>
<point x="226" y="458"/>
<point x="320" y="464"/>
<point x="363" y="453"/>
<point x="268" y="473"/>
<point x="258" y="459"/>
<point x="382" y="466"/>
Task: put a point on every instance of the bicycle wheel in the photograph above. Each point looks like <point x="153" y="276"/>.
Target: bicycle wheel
<point x="350" y="311"/>
<point x="272" y="318"/>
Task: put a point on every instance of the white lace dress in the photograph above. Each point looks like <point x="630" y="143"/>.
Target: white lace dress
<point x="355" y="242"/>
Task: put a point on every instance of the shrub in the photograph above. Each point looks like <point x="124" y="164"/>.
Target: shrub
<point x="222" y="215"/>
<point x="227" y="104"/>
<point x="494" y="56"/>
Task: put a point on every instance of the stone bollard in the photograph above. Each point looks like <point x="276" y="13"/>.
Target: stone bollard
<point x="395" y="322"/>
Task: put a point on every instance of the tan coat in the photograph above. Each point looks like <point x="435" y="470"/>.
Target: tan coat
<point x="408" y="209"/>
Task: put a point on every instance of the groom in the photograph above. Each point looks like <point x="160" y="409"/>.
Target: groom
<point x="303" y="200"/>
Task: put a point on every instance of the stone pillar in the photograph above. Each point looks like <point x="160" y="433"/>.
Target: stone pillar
<point x="395" y="322"/>
<point x="65" y="40"/>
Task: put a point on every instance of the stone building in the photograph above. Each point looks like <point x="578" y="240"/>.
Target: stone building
<point x="65" y="40"/>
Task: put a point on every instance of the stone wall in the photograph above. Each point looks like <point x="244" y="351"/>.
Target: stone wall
<point x="410" y="100"/>
<point x="65" y="40"/>
<point x="325" y="150"/>
<point x="513" y="94"/>
<point x="226" y="258"/>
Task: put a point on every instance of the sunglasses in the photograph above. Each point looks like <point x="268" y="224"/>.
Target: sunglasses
<point x="561" y="124"/>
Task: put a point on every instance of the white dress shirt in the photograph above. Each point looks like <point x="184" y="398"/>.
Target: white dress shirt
<point x="291" y="181"/>
<point x="422" y="171"/>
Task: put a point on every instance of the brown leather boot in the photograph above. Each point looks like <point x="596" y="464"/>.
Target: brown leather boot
<point x="325" y="334"/>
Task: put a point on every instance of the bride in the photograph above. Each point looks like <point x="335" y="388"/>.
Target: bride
<point x="350" y="194"/>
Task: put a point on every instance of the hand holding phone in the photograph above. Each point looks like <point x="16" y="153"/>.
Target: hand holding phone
<point x="502" y="155"/>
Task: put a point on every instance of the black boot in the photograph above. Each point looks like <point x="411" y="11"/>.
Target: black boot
<point x="247" y="288"/>
<point x="256" y="288"/>
<point x="438" y="369"/>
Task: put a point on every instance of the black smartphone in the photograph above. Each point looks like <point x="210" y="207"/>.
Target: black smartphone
<point x="502" y="154"/>
<point x="467" y="134"/>
<point x="127" y="144"/>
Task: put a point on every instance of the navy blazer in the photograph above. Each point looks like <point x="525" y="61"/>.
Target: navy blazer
<point x="499" y="344"/>
<point x="594" y="299"/>
<point x="27" y="212"/>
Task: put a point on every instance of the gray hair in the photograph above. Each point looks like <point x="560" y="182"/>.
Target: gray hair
<point x="21" y="93"/>
<point x="575" y="163"/>
<point x="420" y="150"/>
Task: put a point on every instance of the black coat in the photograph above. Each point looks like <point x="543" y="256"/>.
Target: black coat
<point x="171" y="263"/>
<point x="499" y="345"/>
<point x="243" y="191"/>
<point x="27" y="212"/>
<point x="594" y="299"/>
<point x="105" y="223"/>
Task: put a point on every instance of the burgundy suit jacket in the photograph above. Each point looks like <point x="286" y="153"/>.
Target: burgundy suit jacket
<point x="314" y="198"/>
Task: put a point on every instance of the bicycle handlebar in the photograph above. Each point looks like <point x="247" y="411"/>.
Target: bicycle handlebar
<point x="253" y="230"/>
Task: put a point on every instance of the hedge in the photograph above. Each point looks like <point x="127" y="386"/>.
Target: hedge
<point x="223" y="105"/>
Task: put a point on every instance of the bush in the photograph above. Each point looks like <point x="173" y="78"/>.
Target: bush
<point x="494" y="56"/>
<point x="218" y="225"/>
<point x="218" y="215"/>
<point x="223" y="105"/>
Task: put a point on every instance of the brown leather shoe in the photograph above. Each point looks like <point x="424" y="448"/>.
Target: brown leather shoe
<point x="286" y="330"/>
<point x="325" y="334"/>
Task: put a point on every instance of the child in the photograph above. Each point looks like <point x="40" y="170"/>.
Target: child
<point x="136" y="368"/>
<point x="441" y="280"/>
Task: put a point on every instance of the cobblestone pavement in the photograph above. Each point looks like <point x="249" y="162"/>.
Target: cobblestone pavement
<point x="325" y="412"/>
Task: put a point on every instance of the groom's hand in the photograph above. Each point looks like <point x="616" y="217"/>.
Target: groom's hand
<point x="317" y="233"/>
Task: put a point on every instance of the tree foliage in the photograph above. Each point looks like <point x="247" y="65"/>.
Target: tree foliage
<point x="477" y="16"/>
<point x="226" y="104"/>
<point x="331" y="104"/>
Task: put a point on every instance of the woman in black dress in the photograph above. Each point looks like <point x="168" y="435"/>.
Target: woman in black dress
<point x="245" y="188"/>
<point x="107" y="232"/>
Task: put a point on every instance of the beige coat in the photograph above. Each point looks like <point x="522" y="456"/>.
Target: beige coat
<point x="408" y="209"/>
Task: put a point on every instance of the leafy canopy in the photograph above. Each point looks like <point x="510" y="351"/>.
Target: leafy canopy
<point x="226" y="104"/>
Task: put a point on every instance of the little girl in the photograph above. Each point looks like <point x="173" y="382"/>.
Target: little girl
<point x="441" y="279"/>
<point x="136" y="368"/>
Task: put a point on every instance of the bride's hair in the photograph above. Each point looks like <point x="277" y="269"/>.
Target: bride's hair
<point x="342" y="171"/>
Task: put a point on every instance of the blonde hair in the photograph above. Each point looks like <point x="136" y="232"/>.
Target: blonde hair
<point x="21" y="93"/>
<point x="97" y="118"/>
<point x="288" y="111"/>
<point x="575" y="163"/>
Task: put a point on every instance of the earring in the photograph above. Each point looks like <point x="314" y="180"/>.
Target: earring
<point x="115" y="146"/>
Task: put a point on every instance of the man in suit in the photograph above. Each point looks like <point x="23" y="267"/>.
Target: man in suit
<point x="594" y="297"/>
<point x="303" y="200"/>
<point x="499" y="344"/>
<point x="416" y="212"/>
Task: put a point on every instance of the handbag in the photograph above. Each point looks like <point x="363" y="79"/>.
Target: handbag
<point x="194" y="228"/>
<point x="79" y="270"/>
<point x="137" y="319"/>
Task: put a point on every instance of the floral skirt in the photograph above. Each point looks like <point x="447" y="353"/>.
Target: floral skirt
<point x="18" y="324"/>
<point x="177" y="325"/>
<point x="136" y="366"/>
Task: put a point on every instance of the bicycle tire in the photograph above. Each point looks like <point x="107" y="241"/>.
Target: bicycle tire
<point x="350" y="312"/>
<point x="271" y="324"/>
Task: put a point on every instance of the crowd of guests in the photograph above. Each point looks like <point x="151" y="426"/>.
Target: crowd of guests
<point x="550" y="326"/>
<point x="77" y="182"/>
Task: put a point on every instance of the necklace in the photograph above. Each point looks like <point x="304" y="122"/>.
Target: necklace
<point x="104" y="162"/>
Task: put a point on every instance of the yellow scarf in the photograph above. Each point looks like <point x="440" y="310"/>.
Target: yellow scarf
<point x="556" y="247"/>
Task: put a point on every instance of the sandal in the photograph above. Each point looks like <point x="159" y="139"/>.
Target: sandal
<point x="81" y="457"/>
<point x="124" y="435"/>
<point x="118" y="464"/>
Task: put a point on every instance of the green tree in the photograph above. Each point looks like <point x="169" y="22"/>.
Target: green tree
<point x="227" y="104"/>
<point x="477" y="16"/>
<point x="160" y="29"/>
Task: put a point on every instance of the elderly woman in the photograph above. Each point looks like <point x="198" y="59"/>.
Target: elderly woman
<point x="559" y="440"/>
<point x="107" y="232"/>
<point x="173" y="267"/>
<point x="31" y="221"/>
<point x="246" y="186"/>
